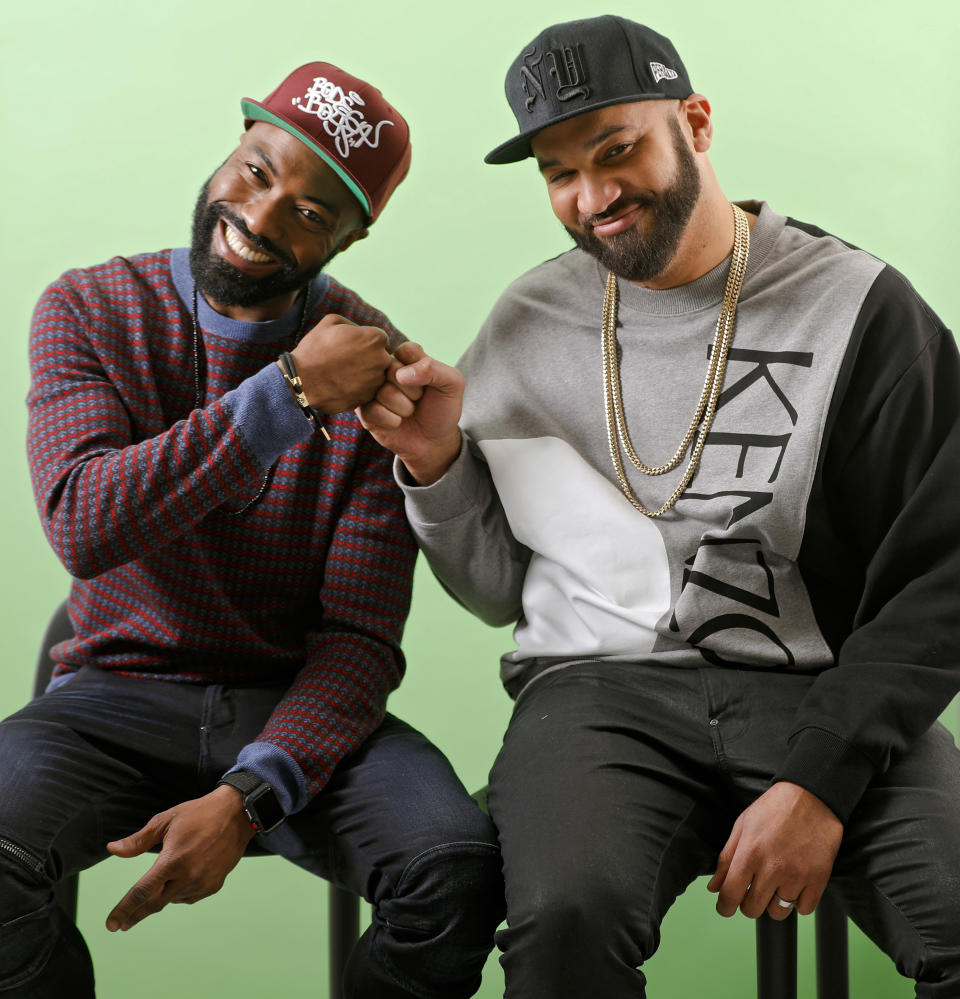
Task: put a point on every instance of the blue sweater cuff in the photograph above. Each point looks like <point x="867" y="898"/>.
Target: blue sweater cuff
<point x="267" y="415"/>
<point x="279" y="769"/>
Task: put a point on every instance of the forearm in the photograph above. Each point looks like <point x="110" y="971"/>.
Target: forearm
<point x="326" y="715"/>
<point x="431" y="464"/>
<point x="105" y="500"/>
<point x="352" y="661"/>
<point x="889" y="533"/>
<point x="463" y="531"/>
<point x="893" y="679"/>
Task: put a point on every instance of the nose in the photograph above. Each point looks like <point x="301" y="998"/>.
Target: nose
<point x="262" y="216"/>
<point x="596" y="194"/>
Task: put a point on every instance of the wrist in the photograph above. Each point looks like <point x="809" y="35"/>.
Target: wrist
<point x="429" y="467"/>
<point x="231" y="802"/>
<point x="258" y="801"/>
<point x="288" y="366"/>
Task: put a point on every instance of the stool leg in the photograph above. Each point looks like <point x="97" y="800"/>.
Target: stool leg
<point x="833" y="974"/>
<point x="344" y="915"/>
<point x="777" y="957"/>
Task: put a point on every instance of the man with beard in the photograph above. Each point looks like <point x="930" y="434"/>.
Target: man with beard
<point x="732" y="650"/>
<point x="242" y="575"/>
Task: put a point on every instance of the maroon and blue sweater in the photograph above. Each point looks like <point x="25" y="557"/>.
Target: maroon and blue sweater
<point x="135" y="485"/>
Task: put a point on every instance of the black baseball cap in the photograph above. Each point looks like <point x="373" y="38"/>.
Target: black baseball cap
<point x="579" y="66"/>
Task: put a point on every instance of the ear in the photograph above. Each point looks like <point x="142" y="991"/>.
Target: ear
<point x="352" y="237"/>
<point x="695" y="110"/>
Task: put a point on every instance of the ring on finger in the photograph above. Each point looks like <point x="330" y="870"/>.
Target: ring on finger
<point x="783" y="903"/>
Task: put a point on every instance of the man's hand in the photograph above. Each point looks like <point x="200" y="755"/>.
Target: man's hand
<point x="416" y="413"/>
<point x="202" y="841"/>
<point x="783" y="845"/>
<point x="341" y="364"/>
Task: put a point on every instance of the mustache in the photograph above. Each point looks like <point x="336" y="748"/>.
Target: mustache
<point x="261" y="242"/>
<point x="618" y="206"/>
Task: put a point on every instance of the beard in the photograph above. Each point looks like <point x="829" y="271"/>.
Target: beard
<point x="642" y="253"/>
<point x="221" y="282"/>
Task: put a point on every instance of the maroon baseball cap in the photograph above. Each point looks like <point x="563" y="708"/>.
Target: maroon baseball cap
<point x="347" y="123"/>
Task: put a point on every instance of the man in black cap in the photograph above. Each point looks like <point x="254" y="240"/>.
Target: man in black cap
<point x="242" y="572"/>
<point x="706" y="465"/>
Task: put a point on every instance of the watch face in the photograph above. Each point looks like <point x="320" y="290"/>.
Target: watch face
<point x="264" y="809"/>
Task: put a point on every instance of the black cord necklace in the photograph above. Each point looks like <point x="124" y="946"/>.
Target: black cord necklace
<point x="200" y="385"/>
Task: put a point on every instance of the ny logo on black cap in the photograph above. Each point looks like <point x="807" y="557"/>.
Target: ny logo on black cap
<point x="564" y="65"/>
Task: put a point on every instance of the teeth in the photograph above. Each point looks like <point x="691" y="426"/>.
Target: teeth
<point x="233" y="241"/>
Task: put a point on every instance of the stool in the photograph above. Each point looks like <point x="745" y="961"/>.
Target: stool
<point x="777" y="953"/>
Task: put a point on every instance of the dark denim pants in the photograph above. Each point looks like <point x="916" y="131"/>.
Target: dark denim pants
<point x="618" y="784"/>
<point x="94" y="759"/>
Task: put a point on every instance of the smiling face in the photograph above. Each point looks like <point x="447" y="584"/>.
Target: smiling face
<point x="266" y="223"/>
<point x="625" y="183"/>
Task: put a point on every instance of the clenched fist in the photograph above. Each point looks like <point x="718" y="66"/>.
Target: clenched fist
<point x="341" y="365"/>
<point x="416" y="413"/>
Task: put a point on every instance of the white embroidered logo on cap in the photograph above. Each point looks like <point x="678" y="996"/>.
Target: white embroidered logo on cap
<point x="338" y="112"/>
<point x="661" y="72"/>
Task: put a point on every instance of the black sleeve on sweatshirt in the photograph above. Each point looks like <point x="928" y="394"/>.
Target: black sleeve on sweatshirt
<point x="881" y="551"/>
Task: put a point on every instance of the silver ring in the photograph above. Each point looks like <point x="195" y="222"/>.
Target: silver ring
<point x="782" y="902"/>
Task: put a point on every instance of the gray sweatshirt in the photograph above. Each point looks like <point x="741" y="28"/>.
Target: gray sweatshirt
<point x="805" y="541"/>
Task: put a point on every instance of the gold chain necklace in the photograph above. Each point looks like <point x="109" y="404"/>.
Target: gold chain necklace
<point x="617" y="434"/>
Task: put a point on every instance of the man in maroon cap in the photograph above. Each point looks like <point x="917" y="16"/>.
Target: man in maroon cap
<point x="242" y="572"/>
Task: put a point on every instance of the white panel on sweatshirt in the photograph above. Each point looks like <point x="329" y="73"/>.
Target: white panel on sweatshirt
<point x="598" y="580"/>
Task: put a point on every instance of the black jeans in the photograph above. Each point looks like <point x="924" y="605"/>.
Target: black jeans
<point x="94" y="759"/>
<point x="618" y="784"/>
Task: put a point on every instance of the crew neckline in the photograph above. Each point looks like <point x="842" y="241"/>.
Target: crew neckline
<point x="215" y="323"/>
<point x="706" y="291"/>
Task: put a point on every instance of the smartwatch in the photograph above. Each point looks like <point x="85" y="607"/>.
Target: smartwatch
<point x="259" y="800"/>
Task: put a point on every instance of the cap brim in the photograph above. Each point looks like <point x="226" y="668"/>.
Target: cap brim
<point x="257" y="112"/>
<point x="518" y="148"/>
<point x="513" y="150"/>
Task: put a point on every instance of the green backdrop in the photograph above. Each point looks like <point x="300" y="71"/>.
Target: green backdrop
<point x="113" y="114"/>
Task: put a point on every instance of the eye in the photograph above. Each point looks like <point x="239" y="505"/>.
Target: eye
<point x="618" y="150"/>
<point x="314" y="218"/>
<point x="258" y="172"/>
<point x="559" y="177"/>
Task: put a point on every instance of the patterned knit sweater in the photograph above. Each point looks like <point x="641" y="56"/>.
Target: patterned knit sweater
<point x="137" y="488"/>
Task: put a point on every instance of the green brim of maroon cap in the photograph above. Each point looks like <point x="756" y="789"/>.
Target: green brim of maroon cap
<point x="257" y="112"/>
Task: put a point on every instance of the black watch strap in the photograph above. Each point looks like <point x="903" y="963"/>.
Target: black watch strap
<point x="260" y="801"/>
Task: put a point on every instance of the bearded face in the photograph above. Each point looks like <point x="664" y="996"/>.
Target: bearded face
<point x="219" y="281"/>
<point x="644" y="251"/>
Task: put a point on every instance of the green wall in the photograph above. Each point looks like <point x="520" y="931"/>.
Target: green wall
<point x="114" y="113"/>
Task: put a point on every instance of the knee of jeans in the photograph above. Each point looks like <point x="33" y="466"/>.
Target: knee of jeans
<point x="456" y="882"/>
<point x="29" y="921"/>
<point x="433" y="931"/>
<point x="577" y="913"/>
<point x="454" y="890"/>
